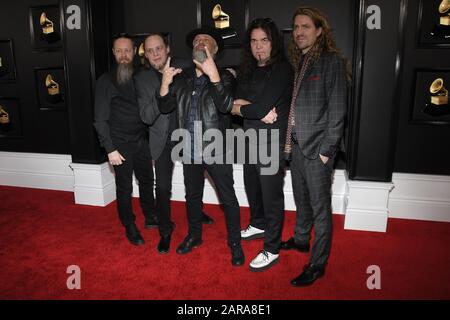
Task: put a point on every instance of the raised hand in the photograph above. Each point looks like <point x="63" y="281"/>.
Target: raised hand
<point x="208" y="67"/>
<point x="168" y="74"/>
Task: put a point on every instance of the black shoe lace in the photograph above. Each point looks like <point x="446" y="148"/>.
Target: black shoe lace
<point x="265" y="253"/>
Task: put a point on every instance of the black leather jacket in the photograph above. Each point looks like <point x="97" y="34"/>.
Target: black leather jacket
<point x="215" y="103"/>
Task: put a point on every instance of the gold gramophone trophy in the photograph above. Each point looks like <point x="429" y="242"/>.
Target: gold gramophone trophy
<point x="442" y="30"/>
<point x="3" y="69"/>
<point x="4" y="116"/>
<point x="48" y="31"/>
<point x="141" y="54"/>
<point x="222" y="22"/>
<point x="53" y="91"/>
<point x="439" y="99"/>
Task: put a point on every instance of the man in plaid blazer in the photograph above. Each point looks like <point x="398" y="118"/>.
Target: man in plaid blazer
<point x="316" y="125"/>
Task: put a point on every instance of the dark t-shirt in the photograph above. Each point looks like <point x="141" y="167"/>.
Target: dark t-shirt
<point x="117" y="118"/>
<point x="268" y="87"/>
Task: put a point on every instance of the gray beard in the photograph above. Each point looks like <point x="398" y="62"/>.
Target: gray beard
<point x="199" y="55"/>
<point x="124" y="73"/>
<point x="159" y="67"/>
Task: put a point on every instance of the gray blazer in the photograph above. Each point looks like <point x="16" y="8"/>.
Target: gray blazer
<point x="147" y="83"/>
<point x="321" y="107"/>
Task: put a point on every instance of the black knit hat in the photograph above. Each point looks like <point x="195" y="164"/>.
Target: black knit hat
<point x="205" y="30"/>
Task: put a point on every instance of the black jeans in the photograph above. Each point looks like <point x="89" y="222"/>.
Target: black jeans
<point x="311" y="183"/>
<point x="222" y="176"/>
<point x="163" y="189"/>
<point x="137" y="159"/>
<point x="266" y="200"/>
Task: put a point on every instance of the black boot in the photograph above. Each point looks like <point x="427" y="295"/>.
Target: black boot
<point x="133" y="235"/>
<point x="292" y="244"/>
<point x="237" y="255"/>
<point x="206" y="219"/>
<point x="188" y="244"/>
<point x="309" y="275"/>
<point x="151" y="221"/>
<point x="164" y="244"/>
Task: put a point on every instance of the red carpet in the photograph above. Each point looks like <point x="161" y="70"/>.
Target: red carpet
<point x="43" y="232"/>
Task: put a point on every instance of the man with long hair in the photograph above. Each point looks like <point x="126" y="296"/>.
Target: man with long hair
<point x="263" y="98"/>
<point x="314" y="135"/>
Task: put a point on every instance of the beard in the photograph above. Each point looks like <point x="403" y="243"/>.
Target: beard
<point x="160" y="66"/>
<point x="124" y="73"/>
<point x="199" y="55"/>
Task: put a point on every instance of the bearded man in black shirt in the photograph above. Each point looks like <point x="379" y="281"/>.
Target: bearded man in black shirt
<point x="124" y="136"/>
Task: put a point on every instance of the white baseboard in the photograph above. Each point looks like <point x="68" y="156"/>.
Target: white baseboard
<point x="415" y="196"/>
<point x="367" y="207"/>
<point x="209" y="195"/>
<point x="94" y="184"/>
<point x="420" y="197"/>
<point x="32" y="170"/>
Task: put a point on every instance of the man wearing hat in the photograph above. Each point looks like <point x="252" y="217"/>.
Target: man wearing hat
<point x="202" y="96"/>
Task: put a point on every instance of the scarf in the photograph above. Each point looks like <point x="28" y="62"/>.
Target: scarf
<point x="299" y="75"/>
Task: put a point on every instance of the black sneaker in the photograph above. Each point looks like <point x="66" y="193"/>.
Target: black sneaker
<point x="133" y="235"/>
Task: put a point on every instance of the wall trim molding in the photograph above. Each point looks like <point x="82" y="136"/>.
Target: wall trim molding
<point x="420" y="197"/>
<point x="414" y="196"/>
<point x="339" y="187"/>
<point x="367" y="207"/>
<point x="93" y="184"/>
<point x="36" y="170"/>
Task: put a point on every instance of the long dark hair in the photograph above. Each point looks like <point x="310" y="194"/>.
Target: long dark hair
<point x="249" y="62"/>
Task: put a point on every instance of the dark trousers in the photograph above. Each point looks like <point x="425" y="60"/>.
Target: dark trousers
<point x="311" y="183"/>
<point x="137" y="159"/>
<point x="163" y="189"/>
<point x="266" y="200"/>
<point x="222" y="176"/>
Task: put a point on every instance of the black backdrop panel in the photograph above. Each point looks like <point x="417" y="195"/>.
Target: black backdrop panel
<point x="47" y="133"/>
<point x="176" y="17"/>
<point x="7" y="62"/>
<point x="421" y="147"/>
<point x="385" y="125"/>
<point x="10" y="119"/>
<point x="372" y="131"/>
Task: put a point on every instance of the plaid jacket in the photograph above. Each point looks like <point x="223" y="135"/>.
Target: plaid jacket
<point x="321" y="107"/>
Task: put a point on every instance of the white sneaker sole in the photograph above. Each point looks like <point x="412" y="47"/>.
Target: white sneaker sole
<point x="265" y="267"/>
<point x="254" y="236"/>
